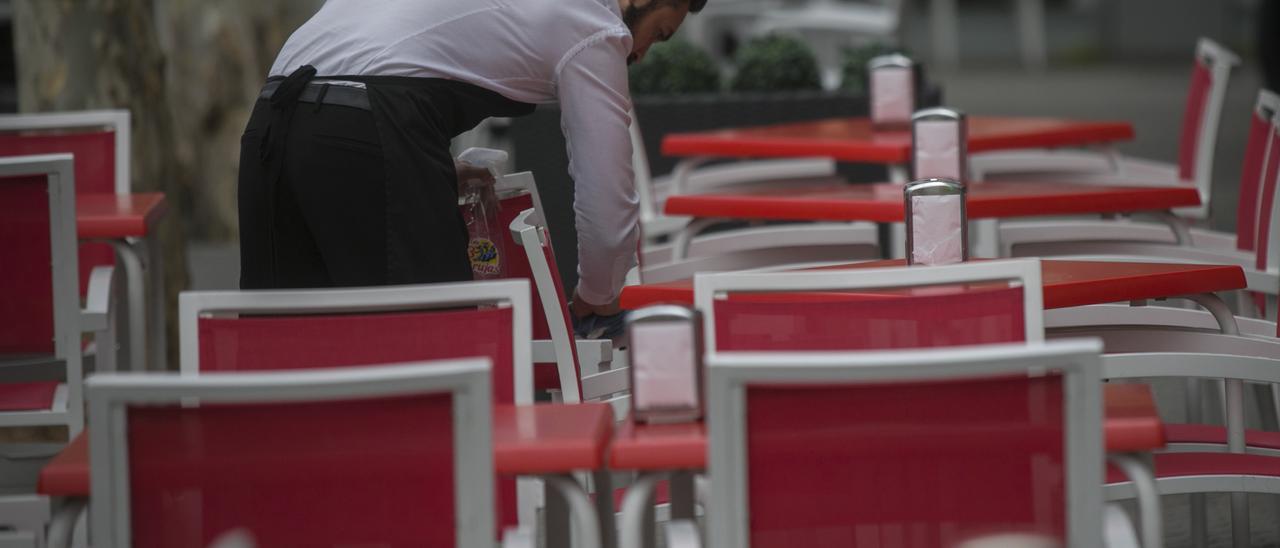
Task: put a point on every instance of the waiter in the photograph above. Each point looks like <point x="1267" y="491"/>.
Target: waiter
<point x="346" y="178"/>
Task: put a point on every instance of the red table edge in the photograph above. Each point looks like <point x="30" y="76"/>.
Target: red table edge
<point x="514" y="457"/>
<point x="1064" y="294"/>
<point x="135" y="225"/>
<point x="66" y="475"/>
<point x="711" y="143"/>
<point x="1119" y="199"/>
<point x="1131" y="424"/>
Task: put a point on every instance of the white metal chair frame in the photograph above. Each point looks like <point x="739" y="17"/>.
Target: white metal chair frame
<point x="1023" y="273"/>
<point x="691" y="176"/>
<point x="1096" y="236"/>
<point x="140" y="259"/>
<point x="69" y="319"/>
<point x="1111" y="168"/>
<point x="110" y="397"/>
<point x="598" y="381"/>
<point x="594" y="356"/>
<point x="730" y="373"/>
<point x="1236" y="369"/>
<point x="28" y="514"/>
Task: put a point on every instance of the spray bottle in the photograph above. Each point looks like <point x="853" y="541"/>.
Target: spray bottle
<point x="479" y="204"/>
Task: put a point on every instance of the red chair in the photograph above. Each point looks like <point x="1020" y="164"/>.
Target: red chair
<point x="1200" y="124"/>
<point x="309" y="329"/>
<point x="41" y="320"/>
<point x="920" y="448"/>
<point x="584" y="367"/>
<point x="1248" y="247"/>
<point x="873" y="309"/>
<point x="988" y="302"/>
<point x="100" y="142"/>
<point x="362" y="456"/>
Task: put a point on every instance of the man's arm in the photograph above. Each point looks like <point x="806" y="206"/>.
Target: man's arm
<point x="594" y="102"/>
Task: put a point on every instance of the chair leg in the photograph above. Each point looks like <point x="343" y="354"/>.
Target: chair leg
<point x="1240" y="520"/>
<point x="135" y="297"/>
<point x="63" y="524"/>
<point x="637" y="513"/>
<point x="603" y="482"/>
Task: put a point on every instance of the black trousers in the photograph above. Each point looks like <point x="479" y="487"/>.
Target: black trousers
<point x="336" y="215"/>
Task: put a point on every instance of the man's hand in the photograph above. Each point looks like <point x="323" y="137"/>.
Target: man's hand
<point x="581" y="309"/>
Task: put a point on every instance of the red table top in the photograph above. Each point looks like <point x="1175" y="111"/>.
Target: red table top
<point x="113" y="216"/>
<point x="834" y="200"/>
<point x="527" y="440"/>
<point x="1066" y="283"/>
<point x="1132" y="424"/>
<point x="855" y="140"/>
<point x="546" y="438"/>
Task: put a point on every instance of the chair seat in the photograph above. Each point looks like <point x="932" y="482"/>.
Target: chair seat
<point x="1207" y="433"/>
<point x="1182" y="465"/>
<point x="27" y="396"/>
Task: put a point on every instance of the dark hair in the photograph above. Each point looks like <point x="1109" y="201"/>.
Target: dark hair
<point x="695" y="6"/>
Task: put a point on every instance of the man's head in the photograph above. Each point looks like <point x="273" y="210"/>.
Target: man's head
<point x="653" y="21"/>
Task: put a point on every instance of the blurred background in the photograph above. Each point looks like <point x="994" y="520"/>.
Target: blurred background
<point x="189" y="71"/>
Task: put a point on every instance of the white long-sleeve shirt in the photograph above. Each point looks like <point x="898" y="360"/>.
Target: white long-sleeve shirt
<point x="532" y="51"/>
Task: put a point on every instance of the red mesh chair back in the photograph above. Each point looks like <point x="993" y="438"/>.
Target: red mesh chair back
<point x="39" y="305"/>
<point x="921" y="448"/>
<point x="352" y="473"/>
<point x="95" y="157"/>
<point x="870" y="320"/>
<point x="26" y="267"/>
<point x="368" y="456"/>
<point x="1266" y="207"/>
<point x="1193" y="119"/>
<point x="262" y="343"/>
<point x="923" y="464"/>
<point x="1257" y="161"/>
<point x="327" y="340"/>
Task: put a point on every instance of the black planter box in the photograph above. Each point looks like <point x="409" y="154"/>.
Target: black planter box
<point x="540" y="148"/>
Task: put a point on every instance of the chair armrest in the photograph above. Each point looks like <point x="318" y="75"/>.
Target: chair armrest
<point x="595" y="352"/>
<point x="99" y="302"/>
<point x="518" y="537"/>
<point x="682" y="533"/>
<point x="604" y="383"/>
<point x="593" y="355"/>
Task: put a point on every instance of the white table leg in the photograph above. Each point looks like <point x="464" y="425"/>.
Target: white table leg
<point x="603" y="482"/>
<point x="566" y="498"/>
<point x="157" y="332"/>
<point x="897" y="248"/>
<point x="637" y="513"/>
<point x="1234" y="414"/>
<point x="984" y="237"/>
<point x="1138" y="469"/>
<point x="135" y="338"/>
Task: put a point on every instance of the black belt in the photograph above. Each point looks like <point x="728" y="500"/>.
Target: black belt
<point x="325" y="93"/>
